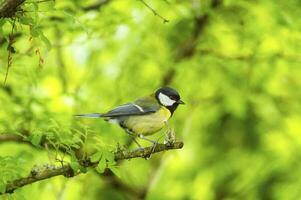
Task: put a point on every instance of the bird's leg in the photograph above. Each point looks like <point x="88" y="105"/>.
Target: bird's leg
<point x="133" y="138"/>
<point x="168" y="129"/>
<point x="139" y="146"/>
<point x="170" y="134"/>
<point x="144" y="138"/>
<point x="155" y="143"/>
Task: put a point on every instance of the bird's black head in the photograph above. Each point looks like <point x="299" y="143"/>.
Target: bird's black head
<point x="169" y="98"/>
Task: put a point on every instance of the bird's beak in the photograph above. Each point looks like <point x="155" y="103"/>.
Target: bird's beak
<point x="180" y="101"/>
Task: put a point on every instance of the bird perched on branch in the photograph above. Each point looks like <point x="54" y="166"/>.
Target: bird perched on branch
<point x="145" y="116"/>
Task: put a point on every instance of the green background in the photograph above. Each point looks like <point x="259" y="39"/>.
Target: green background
<point x="236" y="64"/>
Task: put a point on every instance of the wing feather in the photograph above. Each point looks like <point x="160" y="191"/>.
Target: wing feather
<point x="139" y="107"/>
<point x="128" y="109"/>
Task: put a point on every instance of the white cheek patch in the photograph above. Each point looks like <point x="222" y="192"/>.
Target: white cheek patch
<point x="165" y="100"/>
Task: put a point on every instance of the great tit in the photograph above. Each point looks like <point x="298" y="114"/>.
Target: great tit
<point x="146" y="115"/>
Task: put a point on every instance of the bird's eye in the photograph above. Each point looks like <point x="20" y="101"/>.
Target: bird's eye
<point x="172" y="97"/>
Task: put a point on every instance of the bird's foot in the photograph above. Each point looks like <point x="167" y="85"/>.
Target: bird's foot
<point x="155" y="143"/>
<point x="170" y="137"/>
<point x="169" y="142"/>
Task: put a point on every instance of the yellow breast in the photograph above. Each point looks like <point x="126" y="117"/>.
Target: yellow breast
<point x="148" y="124"/>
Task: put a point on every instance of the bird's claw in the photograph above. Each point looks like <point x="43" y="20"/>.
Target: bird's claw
<point x="169" y="142"/>
<point x="149" y="155"/>
<point x="170" y="137"/>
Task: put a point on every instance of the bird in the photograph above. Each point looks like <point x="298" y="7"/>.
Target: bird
<point x="144" y="116"/>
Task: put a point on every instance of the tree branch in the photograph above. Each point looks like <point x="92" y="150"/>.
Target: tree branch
<point x="9" y="8"/>
<point x="108" y="175"/>
<point x="66" y="170"/>
<point x="97" y="5"/>
<point x="187" y="49"/>
<point x="10" y="137"/>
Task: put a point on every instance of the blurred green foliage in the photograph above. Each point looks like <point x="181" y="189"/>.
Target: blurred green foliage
<point x="236" y="65"/>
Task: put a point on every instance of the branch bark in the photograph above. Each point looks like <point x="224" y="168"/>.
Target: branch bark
<point x="10" y="138"/>
<point x="67" y="171"/>
<point x="9" y="8"/>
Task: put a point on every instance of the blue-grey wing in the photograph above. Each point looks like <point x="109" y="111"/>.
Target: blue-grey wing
<point x="130" y="109"/>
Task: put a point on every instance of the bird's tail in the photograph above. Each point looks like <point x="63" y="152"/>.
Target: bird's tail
<point x="91" y="115"/>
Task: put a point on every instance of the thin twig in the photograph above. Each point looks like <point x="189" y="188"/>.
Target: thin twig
<point x="97" y="5"/>
<point x="40" y="1"/>
<point x="154" y="11"/>
<point x="9" y="49"/>
<point x="243" y="57"/>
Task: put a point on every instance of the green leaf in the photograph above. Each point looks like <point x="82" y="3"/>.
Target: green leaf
<point x="75" y="166"/>
<point x="35" y="139"/>
<point x="34" y="31"/>
<point x="27" y="20"/>
<point x="2" y="186"/>
<point x="116" y="171"/>
<point x="96" y="157"/>
<point x="101" y="166"/>
<point x="109" y="156"/>
<point x="45" y="40"/>
<point x="105" y="158"/>
<point x="35" y="6"/>
<point x="83" y="169"/>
